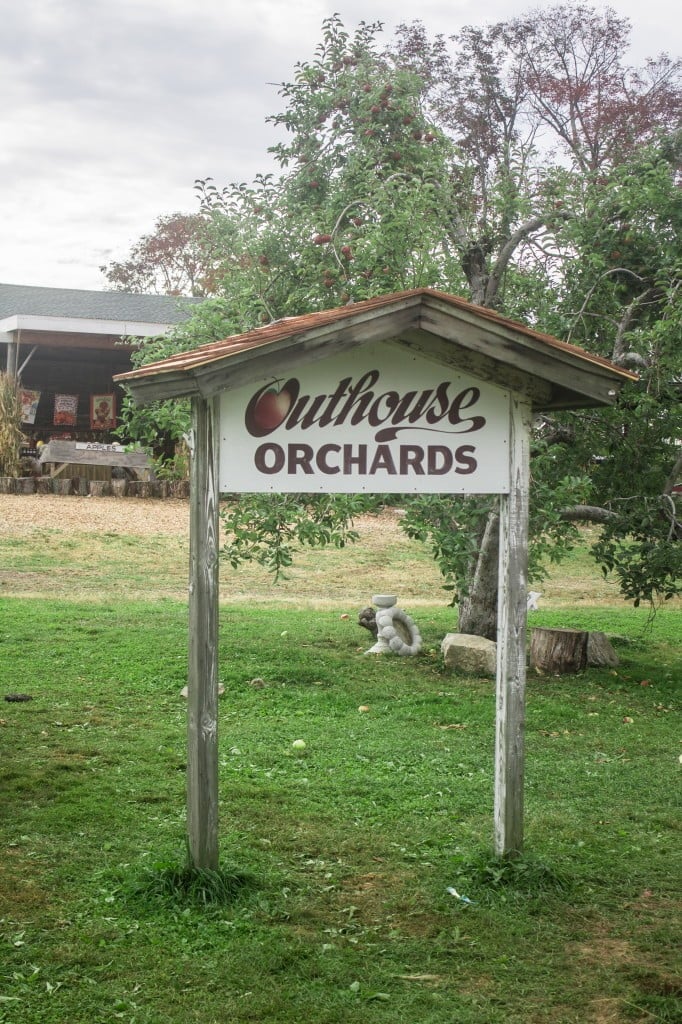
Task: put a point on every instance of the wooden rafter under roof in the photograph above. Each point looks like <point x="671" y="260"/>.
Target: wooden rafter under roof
<point x="433" y="324"/>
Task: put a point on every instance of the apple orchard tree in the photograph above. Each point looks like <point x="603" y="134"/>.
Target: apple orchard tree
<point x="523" y="166"/>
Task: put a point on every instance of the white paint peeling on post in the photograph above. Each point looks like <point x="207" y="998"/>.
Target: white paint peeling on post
<point x="202" y="698"/>
<point x="511" y="638"/>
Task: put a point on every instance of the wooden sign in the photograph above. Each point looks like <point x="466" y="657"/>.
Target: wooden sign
<point x="418" y="391"/>
<point x="378" y="420"/>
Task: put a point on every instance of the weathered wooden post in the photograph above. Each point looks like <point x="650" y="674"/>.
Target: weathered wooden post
<point x="511" y="638"/>
<point x="202" y="688"/>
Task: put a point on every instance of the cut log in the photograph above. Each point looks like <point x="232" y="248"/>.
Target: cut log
<point x="44" y="485"/>
<point x="8" y="485"/>
<point x="62" y="485"/>
<point x="119" y="488"/>
<point x="600" y="652"/>
<point x="141" y="489"/>
<point x="25" y="485"/>
<point x="179" y="489"/>
<point x="100" y="488"/>
<point x="558" y="651"/>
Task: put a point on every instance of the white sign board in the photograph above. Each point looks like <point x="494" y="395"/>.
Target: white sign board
<point x="374" y="420"/>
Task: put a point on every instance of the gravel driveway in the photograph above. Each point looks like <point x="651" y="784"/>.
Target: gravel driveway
<point x="23" y="513"/>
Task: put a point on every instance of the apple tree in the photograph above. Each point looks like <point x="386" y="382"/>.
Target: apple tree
<point x="503" y="164"/>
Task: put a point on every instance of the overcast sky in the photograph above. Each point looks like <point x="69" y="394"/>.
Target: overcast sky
<point x="110" y="109"/>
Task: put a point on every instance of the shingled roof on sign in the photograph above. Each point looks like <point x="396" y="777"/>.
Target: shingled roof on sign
<point x="440" y="326"/>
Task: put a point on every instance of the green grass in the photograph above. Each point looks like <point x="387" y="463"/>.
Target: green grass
<point x="331" y="904"/>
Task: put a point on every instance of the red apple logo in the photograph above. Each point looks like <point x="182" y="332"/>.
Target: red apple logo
<point x="269" y="407"/>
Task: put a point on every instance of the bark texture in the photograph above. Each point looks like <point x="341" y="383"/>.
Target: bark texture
<point x="478" y="609"/>
<point x="558" y="651"/>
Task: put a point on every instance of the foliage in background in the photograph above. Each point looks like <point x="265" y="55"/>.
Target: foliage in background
<point x="11" y="434"/>
<point x="182" y="256"/>
<point x="524" y="165"/>
<point x="269" y="533"/>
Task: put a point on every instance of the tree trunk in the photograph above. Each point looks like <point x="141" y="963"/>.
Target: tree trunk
<point x="558" y="651"/>
<point x="478" y="608"/>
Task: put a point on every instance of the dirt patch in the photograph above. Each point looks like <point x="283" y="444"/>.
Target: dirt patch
<point x="23" y="514"/>
<point x="83" y="548"/>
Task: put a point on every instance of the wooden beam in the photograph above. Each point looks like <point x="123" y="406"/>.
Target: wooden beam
<point x="202" y="695"/>
<point x="26" y="361"/>
<point x="281" y="356"/>
<point x="463" y="360"/>
<point x="52" y="340"/>
<point x="588" y="381"/>
<point x="289" y="356"/>
<point x="13" y="355"/>
<point x="511" y="638"/>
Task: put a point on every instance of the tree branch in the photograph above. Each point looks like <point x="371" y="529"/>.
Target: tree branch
<point x="607" y="273"/>
<point x="675" y="475"/>
<point x="586" y="514"/>
<point x="620" y="352"/>
<point x="507" y="251"/>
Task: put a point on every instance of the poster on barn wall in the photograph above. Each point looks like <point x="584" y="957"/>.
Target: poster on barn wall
<point x="102" y="412"/>
<point x="373" y="420"/>
<point x="65" y="410"/>
<point x="29" y="400"/>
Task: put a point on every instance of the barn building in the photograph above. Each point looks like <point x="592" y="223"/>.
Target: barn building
<point x="66" y="345"/>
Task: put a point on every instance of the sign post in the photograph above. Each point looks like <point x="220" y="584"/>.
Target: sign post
<point x="511" y="639"/>
<point x="202" y="685"/>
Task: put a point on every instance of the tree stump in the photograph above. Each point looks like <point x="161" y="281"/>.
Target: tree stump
<point x="600" y="652"/>
<point x="100" y="488"/>
<point x="7" y="484"/>
<point x="119" y="488"/>
<point x="82" y="486"/>
<point x="558" y="651"/>
<point x="62" y="485"/>
<point x="44" y="485"/>
<point x="179" y="489"/>
<point x="141" y="489"/>
<point x="25" y="485"/>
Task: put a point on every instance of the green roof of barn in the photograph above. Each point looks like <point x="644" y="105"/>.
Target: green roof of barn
<point x="75" y="303"/>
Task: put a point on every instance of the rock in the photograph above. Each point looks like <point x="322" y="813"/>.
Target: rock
<point x="472" y="655"/>
<point x="600" y="652"/>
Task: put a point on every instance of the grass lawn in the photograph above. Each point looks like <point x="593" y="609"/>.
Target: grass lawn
<point x="340" y="854"/>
